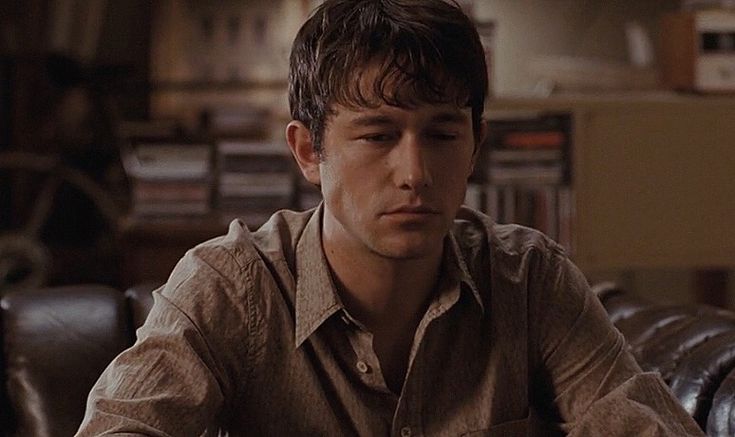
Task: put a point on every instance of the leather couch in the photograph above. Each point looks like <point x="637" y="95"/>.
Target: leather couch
<point x="692" y="346"/>
<point x="56" y="342"/>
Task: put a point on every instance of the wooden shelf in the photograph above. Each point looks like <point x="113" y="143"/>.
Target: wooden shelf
<point x="653" y="176"/>
<point x="151" y="247"/>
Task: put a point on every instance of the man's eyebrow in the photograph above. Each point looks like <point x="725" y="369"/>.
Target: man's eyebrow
<point x="371" y="120"/>
<point x="382" y="120"/>
<point x="449" y="117"/>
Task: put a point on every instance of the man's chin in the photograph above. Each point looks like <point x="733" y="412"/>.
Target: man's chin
<point x="407" y="250"/>
<point x="403" y="255"/>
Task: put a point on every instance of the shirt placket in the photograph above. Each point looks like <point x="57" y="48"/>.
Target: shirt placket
<point x="407" y="417"/>
<point x="407" y="421"/>
<point x="366" y="362"/>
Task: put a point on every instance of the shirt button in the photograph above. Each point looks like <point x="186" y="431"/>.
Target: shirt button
<point x="362" y="367"/>
<point x="345" y="320"/>
<point x="405" y="432"/>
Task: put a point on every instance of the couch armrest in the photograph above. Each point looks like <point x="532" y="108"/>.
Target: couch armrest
<point x="691" y="346"/>
<point x="57" y="341"/>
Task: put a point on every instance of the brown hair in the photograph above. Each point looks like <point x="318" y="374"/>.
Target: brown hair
<point x="425" y="50"/>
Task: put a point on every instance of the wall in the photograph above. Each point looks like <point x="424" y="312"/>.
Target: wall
<point x="588" y="28"/>
<point x="582" y="28"/>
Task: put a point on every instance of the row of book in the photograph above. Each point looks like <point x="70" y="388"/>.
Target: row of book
<point x="255" y="179"/>
<point x="548" y="208"/>
<point x="234" y="178"/>
<point x="169" y="179"/>
<point x="524" y="174"/>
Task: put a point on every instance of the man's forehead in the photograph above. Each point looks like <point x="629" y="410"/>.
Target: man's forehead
<point x="436" y="112"/>
<point x="383" y="82"/>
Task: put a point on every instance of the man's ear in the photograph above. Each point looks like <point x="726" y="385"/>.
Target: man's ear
<point x="299" y="141"/>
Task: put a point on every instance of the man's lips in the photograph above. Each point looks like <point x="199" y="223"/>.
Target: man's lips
<point x="412" y="209"/>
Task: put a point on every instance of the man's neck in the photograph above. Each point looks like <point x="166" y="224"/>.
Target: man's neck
<point x="387" y="295"/>
<point x="383" y="292"/>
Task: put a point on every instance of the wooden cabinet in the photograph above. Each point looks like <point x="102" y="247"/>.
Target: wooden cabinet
<point x="653" y="178"/>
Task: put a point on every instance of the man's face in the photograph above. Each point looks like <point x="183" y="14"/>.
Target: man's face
<point x="393" y="178"/>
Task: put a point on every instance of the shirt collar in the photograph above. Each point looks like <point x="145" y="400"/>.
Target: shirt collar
<point x="456" y="267"/>
<point x="316" y="295"/>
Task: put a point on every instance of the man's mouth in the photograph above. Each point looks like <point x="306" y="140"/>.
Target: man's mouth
<point x="412" y="211"/>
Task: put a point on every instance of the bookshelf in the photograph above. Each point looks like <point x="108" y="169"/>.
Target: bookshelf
<point x="523" y="174"/>
<point x="207" y="56"/>
<point x="221" y="72"/>
<point x="150" y="248"/>
<point x="652" y="179"/>
<point x="255" y="179"/>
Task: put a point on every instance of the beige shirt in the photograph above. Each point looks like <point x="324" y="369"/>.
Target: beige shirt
<point x="249" y="336"/>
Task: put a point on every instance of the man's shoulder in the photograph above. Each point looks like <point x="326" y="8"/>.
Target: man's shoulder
<point x="229" y="259"/>
<point x="275" y="239"/>
<point x="473" y="228"/>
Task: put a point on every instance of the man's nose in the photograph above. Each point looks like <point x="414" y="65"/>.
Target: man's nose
<point x="411" y="166"/>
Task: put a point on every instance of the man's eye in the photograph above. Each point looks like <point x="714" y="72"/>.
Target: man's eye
<point x="443" y="136"/>
<point x="377" y="138"/>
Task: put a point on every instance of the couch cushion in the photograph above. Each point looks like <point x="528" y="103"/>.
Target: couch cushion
<point x="700" y="374"/>
<point x="721" y="419"/>
<point x="57" y="341"/>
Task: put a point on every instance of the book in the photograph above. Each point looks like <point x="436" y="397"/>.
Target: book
<point x="239" y="121"/>
<point x="244" y="164"/>
<point x="253" y="157"/>
<point x="257" y="180"/>
<point x="168" y="161"/>
<point x="527" y="170"/>
<point x="255" y="177"/>
<point x="247" y="191"/>
<point x="552" y="139"/>
<point x="169" y="178"/>
<point x="234" y="147"/>
<point x="523" y="156"/>
<point x="527" y="174"/>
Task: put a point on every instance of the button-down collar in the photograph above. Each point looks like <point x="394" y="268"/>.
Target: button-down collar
<point x="455" y="261"/>
<point x="316" y="295"/>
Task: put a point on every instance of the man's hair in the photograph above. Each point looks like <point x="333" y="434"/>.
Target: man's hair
<point x="425" y="51"/>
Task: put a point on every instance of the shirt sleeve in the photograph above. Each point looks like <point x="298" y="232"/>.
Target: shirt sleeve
<point x="178" y="376"/>
<point x="590" y="382"/>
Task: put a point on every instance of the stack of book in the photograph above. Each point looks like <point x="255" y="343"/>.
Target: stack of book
<point x="255" y="179"/>
<point x="528" y="172"/>
<point x="237" y="122"/>
<point x="169" y="179"/>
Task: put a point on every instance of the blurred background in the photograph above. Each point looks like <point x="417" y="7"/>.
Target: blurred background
<point x="132" y="130"/>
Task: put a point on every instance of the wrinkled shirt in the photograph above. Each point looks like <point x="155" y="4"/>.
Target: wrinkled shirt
<point x="249" y="337"/>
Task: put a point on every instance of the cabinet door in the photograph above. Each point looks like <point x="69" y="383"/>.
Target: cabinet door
<point x="655" y="185"/>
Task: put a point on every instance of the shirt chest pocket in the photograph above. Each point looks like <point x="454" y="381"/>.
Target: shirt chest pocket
<point x="514" y="428"/>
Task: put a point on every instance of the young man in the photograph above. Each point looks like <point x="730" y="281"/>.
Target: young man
<point x="389" y="309"/>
